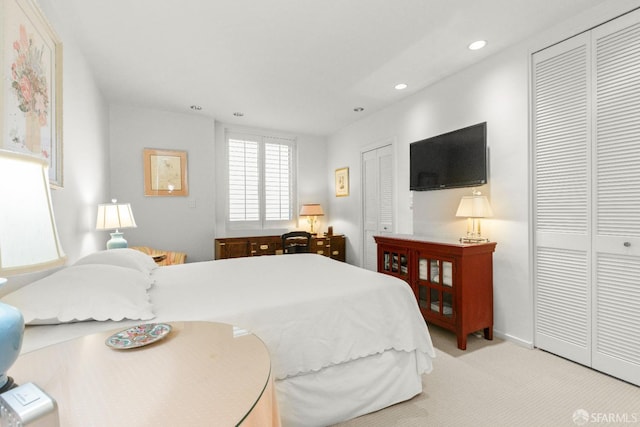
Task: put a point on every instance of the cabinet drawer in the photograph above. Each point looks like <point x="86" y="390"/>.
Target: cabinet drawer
<point x="234" y="247"/>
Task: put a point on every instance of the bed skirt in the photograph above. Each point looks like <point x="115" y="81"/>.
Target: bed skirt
<point x="348" y="390"/>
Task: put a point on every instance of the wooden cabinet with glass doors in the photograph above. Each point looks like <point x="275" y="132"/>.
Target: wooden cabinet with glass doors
<point x="452" y="282"/>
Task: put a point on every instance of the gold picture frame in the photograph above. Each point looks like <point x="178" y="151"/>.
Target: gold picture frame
<point x="31" y="87"/>
<point x="165" y="172"/>
<point x="342" y="182"/>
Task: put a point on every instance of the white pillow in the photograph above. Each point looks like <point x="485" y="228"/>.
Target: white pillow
<point x="123" y="257"/>
<point x="84" y="292"/>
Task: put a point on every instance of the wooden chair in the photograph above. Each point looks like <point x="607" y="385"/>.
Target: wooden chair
<point x="161" y="257"/>
<point x="296" y="242"/>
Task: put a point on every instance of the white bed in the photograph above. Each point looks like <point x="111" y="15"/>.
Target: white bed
<point x="343" y="341"/>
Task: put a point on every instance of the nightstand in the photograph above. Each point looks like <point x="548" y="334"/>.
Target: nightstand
<point x="201" y="374"/>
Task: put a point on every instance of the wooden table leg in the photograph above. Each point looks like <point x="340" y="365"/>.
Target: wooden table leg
<point x="488" y="333"/>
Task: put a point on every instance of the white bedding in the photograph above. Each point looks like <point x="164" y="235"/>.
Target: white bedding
<point x="313" y="313"/>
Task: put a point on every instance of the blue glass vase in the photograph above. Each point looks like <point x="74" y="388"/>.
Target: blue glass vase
<point x="11" y="331"/>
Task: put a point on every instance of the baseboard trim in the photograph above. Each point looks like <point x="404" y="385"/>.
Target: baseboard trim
<point x="515" y="340"/>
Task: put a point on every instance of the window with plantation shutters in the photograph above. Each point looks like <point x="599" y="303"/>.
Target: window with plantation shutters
<point x="261" y="181"/>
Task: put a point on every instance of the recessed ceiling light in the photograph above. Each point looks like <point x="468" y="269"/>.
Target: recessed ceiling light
<point x="401" y="86"/>
<point x="196" y="107"/>
<point x="358" y="109"/>
<point x="238" y="114"/>
<point x="478" y="44"/>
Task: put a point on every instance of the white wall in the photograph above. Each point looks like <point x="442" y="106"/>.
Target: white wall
<point x="496" y="91"/>
<point x="181" y="223"/>
<point x="85" y="151"/>
<point x="85" y="146"/>
<point x="189" y="224"/>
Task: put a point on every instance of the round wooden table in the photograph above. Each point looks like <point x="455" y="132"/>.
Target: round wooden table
<point x="200" y="374"/>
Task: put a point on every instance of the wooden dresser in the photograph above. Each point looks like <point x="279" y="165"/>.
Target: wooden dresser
<point x="234" y="247"/>
<point x="452" y="282"/>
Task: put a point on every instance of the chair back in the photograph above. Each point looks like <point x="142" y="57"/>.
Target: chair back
<point x="296" y="242"/>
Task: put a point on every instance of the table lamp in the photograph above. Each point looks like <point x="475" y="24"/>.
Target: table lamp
<point x="473" y="208"/>
<point x="311" y="211"/>
<point x="28" y="241"/>
<point x="114" y="216"/>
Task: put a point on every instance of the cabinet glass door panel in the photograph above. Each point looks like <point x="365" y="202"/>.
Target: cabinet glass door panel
<point x="447" y="304"/>
<point x="435" y="286"/>
<point x="423" y="297"/>
<point x="447" y="273"/>
<point x="434" y="300"/>
<point x="396" y="263"/>
<point x="434" y="268"/>
<point x="435" y="271"/>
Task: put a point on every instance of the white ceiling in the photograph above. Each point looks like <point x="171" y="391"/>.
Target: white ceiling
<point x="293" y="65"/>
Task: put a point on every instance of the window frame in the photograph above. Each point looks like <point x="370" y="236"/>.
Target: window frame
<point x="262" y="223"/>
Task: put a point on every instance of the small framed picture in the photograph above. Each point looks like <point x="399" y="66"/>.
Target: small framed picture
<point x="342" y="182"/>
<point x="165" y="173"/>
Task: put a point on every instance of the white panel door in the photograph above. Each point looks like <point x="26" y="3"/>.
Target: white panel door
<point x="377" y="201"/>
<point x="561" y="159"/>
<point x="616" y="189"/>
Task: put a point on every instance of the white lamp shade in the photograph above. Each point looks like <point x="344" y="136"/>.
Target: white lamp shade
<point x="474" y="207"/>
<point x="28" y="235"/>
<point x="113" y="216"/>
<point x="312" y="209"/>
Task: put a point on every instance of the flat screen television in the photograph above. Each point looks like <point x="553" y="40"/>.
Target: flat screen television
<point x="453" y="159"/>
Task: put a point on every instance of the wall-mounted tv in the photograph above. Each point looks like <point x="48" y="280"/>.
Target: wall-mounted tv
<point x="453" y="159"/>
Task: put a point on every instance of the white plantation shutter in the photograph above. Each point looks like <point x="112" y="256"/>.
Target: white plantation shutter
<point x="261" y="181"/>
<point x="277" y="180"/>
<point x="244" y="203"/>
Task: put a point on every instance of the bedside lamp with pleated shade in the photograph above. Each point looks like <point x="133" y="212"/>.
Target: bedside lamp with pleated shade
<point x="473" y="208"/>
<point x="28" y="241"/>
<point x="311" y="211"/>
<point x="114" y="216"/>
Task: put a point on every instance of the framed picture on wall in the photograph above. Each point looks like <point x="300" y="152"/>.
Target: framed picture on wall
<point x="342" y="182"/>
<point x="165" y="172"/>
<point x="31" y="87"/>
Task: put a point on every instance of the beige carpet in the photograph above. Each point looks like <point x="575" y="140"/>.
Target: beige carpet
<point x="498" y="383"/>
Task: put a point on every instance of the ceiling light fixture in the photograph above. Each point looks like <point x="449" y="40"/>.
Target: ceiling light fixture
<point x="401" y="86"/>
<point x="478" y="45"/>
<point x="238" y="114"/>
<point x="358" y="109"/>
<point x="196" y="107"/>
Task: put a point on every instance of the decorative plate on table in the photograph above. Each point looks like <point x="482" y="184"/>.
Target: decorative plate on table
<point x="138" y="336"/>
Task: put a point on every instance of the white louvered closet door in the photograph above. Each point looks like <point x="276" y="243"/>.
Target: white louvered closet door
<point x="586" y="148"/>
<point x="616" y="219"/>
<point x="377" y="201"/>
<point x="561" y="158"/>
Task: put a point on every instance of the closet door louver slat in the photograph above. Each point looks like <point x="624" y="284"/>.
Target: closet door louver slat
<point x="562" y="297"/>
<point x="561" y="136"/>
<point x="618" y="133"/>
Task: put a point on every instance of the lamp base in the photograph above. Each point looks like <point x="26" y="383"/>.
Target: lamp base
<point x="117" y="241"/>
<point x="474" y="240"/>
<point x="8" y="385"/>
<point x="11" y="332"/>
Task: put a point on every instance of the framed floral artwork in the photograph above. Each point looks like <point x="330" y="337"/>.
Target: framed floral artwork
<point x="31" y="88"/>
<point x="165" y="173"/>
<point x="342" y="182"/>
